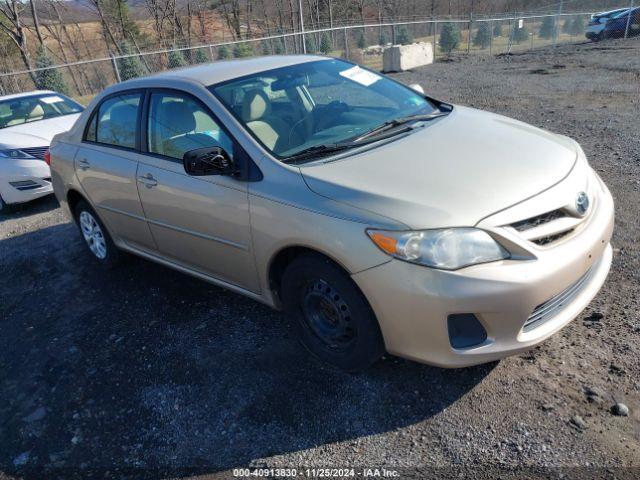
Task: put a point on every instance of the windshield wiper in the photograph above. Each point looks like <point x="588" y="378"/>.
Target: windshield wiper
<point x="396" y="122"/>
<point x="319" y="150"/>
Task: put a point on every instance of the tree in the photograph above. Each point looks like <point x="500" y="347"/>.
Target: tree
<point x="547" y="28"/>
<point x="278" y="49"/>
<point x="483" y="36"/>
<point x="404" y="37"/>
<point x="497" y="30"/>
<point x="242" y="50"/>
<point x="361" y="41"/>
<point x="520" y="34"/>
<point x="566" y="26"/>
<point x="310" y="43"/>
<point x="325" y="43"/>
<point x="50" y="79"/>
<point x="577" y="26"/>
<point x="265" y="48"/>
<point x="129" y="67"/>
<point x="175" y="59"/>
<point x="382" y="39"/>
<point x="199" y="56"/>
<point x="223" y="53"/>
<point x="449" y="38"/>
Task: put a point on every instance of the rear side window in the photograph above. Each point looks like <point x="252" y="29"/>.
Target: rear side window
<point x="115" y="121"/>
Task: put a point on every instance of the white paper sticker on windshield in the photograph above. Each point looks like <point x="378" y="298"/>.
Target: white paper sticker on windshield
<point x="53" y="99"/>
<point x="361" y="76"/>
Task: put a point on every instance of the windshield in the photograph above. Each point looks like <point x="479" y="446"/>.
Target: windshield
<point x="294" y="108"/>
<point x="17" y="111"/>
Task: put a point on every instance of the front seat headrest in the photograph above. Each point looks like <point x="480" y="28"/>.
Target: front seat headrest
<point x="177" y="118"/>
<point x="255" y="105"/>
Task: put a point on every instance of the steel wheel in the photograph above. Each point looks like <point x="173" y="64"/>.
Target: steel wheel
<point x="93" y="235"/>
<point x="328" y="315"/>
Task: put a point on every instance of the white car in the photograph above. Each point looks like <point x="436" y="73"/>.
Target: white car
<point x="28" y="122"/>
<point x="595" y="29"/>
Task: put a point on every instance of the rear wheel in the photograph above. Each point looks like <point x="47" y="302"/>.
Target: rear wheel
<point x="332" y="317"/>
<point x="96" y="236"/>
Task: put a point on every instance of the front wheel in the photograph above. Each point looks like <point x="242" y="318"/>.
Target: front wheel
<point x="96" y="236"/>
<point x="332" y="317"/>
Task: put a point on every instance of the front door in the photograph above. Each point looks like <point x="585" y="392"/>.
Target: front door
<point x="199" y="222"/>
<point x="106" y="167"/>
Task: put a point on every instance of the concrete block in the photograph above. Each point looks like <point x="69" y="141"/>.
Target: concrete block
<point x="399" y="58"/>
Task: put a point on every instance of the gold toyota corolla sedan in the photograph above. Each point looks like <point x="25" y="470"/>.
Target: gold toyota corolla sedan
<point x="378" y="218"/>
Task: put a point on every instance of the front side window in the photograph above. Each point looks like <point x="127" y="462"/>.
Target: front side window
<point x="33" y="108"/>
<point x="294" y="108"/>
<point x="179" y="123"/>
<point x="116" y="121"/>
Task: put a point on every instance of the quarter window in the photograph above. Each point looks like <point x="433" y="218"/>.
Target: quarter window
<point x="179" y="123"/>
<point x="116" y="121"/>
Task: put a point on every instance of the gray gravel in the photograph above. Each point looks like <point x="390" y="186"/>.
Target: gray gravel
<point x="143" y="372"/>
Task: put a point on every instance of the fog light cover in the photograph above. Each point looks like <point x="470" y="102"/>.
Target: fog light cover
<point x="465" y="330"/>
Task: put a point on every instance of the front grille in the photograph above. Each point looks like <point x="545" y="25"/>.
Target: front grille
<point x="538" y="220"/>
<point x="551" y="238"/>
<point x="37" y="152"/>
<point x="545" y="311"/>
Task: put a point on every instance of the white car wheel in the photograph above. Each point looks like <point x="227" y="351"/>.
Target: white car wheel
<point x="93" y="235"/>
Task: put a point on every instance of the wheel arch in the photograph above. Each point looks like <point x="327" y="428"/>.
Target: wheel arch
<point x="283" y="258"/>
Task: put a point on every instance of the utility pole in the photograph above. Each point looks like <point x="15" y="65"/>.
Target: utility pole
<point x="304" y="43"/>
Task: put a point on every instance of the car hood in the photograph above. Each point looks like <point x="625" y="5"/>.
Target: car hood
<point x="453" y="172"/>
<point x="35" y="134"/>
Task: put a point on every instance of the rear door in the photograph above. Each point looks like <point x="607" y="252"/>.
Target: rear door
<point x="106" y="165"/>
<point x="199" y="222"/>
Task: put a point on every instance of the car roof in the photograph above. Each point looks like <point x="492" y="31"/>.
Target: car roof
<point x="222" y="70"/>
<point x="26" y="94"/>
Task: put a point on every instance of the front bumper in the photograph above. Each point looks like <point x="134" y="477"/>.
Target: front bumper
<point x="24" y="180"/>
<point x="412" y="302"/>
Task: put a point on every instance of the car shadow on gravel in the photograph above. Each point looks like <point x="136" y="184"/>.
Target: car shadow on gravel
<point x="21" y="210"/>
<point x="148" y="372"/>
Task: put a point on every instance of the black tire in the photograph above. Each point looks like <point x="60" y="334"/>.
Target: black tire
<point x="332" y="317"/>
<point x="112" y="256"/>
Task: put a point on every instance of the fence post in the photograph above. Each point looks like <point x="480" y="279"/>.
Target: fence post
<point x="469" y="37"/>
<point x="211" y="53"/>
<point x="626" y="28"/>
<point x="435" y="39"/>
<point x="115" y="67"/>
<point x="346" y="44"/>
<point x="491" y="37"/>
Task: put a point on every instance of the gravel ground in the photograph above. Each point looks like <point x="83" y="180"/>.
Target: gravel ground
<point x="143" y="372"/>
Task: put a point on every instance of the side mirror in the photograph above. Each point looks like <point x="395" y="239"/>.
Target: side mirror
<point x="417" y="87"/>
<point x="208" y="161"/>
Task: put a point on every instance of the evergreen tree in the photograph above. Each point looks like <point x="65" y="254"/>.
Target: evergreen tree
<point x="278" y="49"/>
<point x="497" y="30"/>
<point x="265" y="47"/>
<point x="241" y="50"/>
<point x="520" y="35"/>
<point x="175" y="59"/>
<point x="566" y="26"/>
<point x="361" y="41"/>
<point x="482" y="38"/>
<point x="547" y="28"/>
<point x="404" y="37"/>
<point x="50" y="79"/>
<point x="577" y="26"/>
<point x="310" y="43"/>
<point x="199" y="56"/>
<point x="382" y="39"/>
<point x="223" y="53"/>
<point x="129" y="67"/>
<point x="449" y="38"/>
<point x="325" y="43"/>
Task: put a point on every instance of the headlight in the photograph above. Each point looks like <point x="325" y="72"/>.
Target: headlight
<point x="15" y="153"/>
<point x="447" y="249"/>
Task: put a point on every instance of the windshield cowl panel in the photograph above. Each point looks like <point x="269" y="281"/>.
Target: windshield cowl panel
<point x="317" y="109"/>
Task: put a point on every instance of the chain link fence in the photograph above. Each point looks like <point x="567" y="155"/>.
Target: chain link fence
<point x="362" y="44"/>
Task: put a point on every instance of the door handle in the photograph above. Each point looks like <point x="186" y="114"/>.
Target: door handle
<point x="84" y="164"/>
<point x="148" y="180"/>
